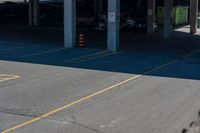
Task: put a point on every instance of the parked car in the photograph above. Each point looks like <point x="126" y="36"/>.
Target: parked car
<point x="13" y="12"/>
<point x="126" y="23"/>
<point x="141" y="25"/>
<point x="51" y="13"/>
<point x="101" y="23"/>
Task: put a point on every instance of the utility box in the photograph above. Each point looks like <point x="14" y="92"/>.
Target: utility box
<point x="179" y="15"/>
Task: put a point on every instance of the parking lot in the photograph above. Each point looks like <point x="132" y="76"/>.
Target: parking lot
<point x="144" y="87"/>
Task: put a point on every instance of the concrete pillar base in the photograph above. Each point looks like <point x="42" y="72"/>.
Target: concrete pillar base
<point x="193" y="16"/>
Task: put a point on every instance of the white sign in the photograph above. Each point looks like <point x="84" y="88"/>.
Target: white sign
<point x="111" y="17"/>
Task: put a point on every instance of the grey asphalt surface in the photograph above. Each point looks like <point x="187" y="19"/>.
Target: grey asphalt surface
<point x="162" y="101"/>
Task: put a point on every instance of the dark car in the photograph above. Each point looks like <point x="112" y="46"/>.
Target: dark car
<point x="85" y="20"/>
<point x="126" y="23"/>
<point x="51" y="13"/>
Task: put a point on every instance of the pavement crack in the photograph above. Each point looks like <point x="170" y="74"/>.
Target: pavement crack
<point x="84" y="126"/>
<point x="15" y="111"/>
<point x="75" y="123"/>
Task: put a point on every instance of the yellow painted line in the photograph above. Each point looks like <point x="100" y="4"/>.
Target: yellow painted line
<point x="188" y="55"/>
<point x="7" y="49"/>
<point x="48" y="114"/>
<point x="44" y="52"/>
<point x="85" y="56"/>
<point x="68" y="105"/>
<point x="10" y="42"/>
<point x="98" y="57"/>
<point x="6" y="77"/>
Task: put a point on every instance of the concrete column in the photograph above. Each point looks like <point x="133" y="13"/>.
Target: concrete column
<point x="69" y="23"/>
<point x="168" y="18"/>
<point x="33" y="12"/>
<point x="150" y="16"/>
<point x="193" y="16"/>
<point x="96" y="8"/>
<point x="99" y="6"/>
<point x="113" y="25"/>
<point x="30" y="8"/>
<point x="139" y="6"/>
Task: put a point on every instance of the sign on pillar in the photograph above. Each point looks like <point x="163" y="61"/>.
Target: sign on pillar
<point x="113" y="25"/>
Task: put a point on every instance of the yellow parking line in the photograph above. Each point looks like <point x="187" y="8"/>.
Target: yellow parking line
<point x="44" y="52"/>
<point x="188" y="55"/>
<point x="6" y="77"/>
<point x="50" y="113"/>
<point x="86" y="56"/>
<point x="68" y="105"/>
<point x="7" y="49"/>
<point x="98" y="57"/>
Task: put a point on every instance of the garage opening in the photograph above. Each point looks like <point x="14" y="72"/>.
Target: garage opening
<point x="91" y="22"/>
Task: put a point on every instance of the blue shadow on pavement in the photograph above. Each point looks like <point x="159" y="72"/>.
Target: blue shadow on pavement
<point x="136" y="58"/>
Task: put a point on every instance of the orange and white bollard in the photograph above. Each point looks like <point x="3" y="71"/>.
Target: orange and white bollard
<point x="81" y="40"/>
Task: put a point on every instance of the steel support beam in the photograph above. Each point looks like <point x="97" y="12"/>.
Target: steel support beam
<point x="150" y="16"/>
<point x="113" y="25"/>
<point x="168" y="7"/>
<point x="69" y="23"/>
<point x="193" y="16"/>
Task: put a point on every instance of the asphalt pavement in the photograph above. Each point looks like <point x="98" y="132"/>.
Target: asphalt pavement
<point x="149" y="86"/>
